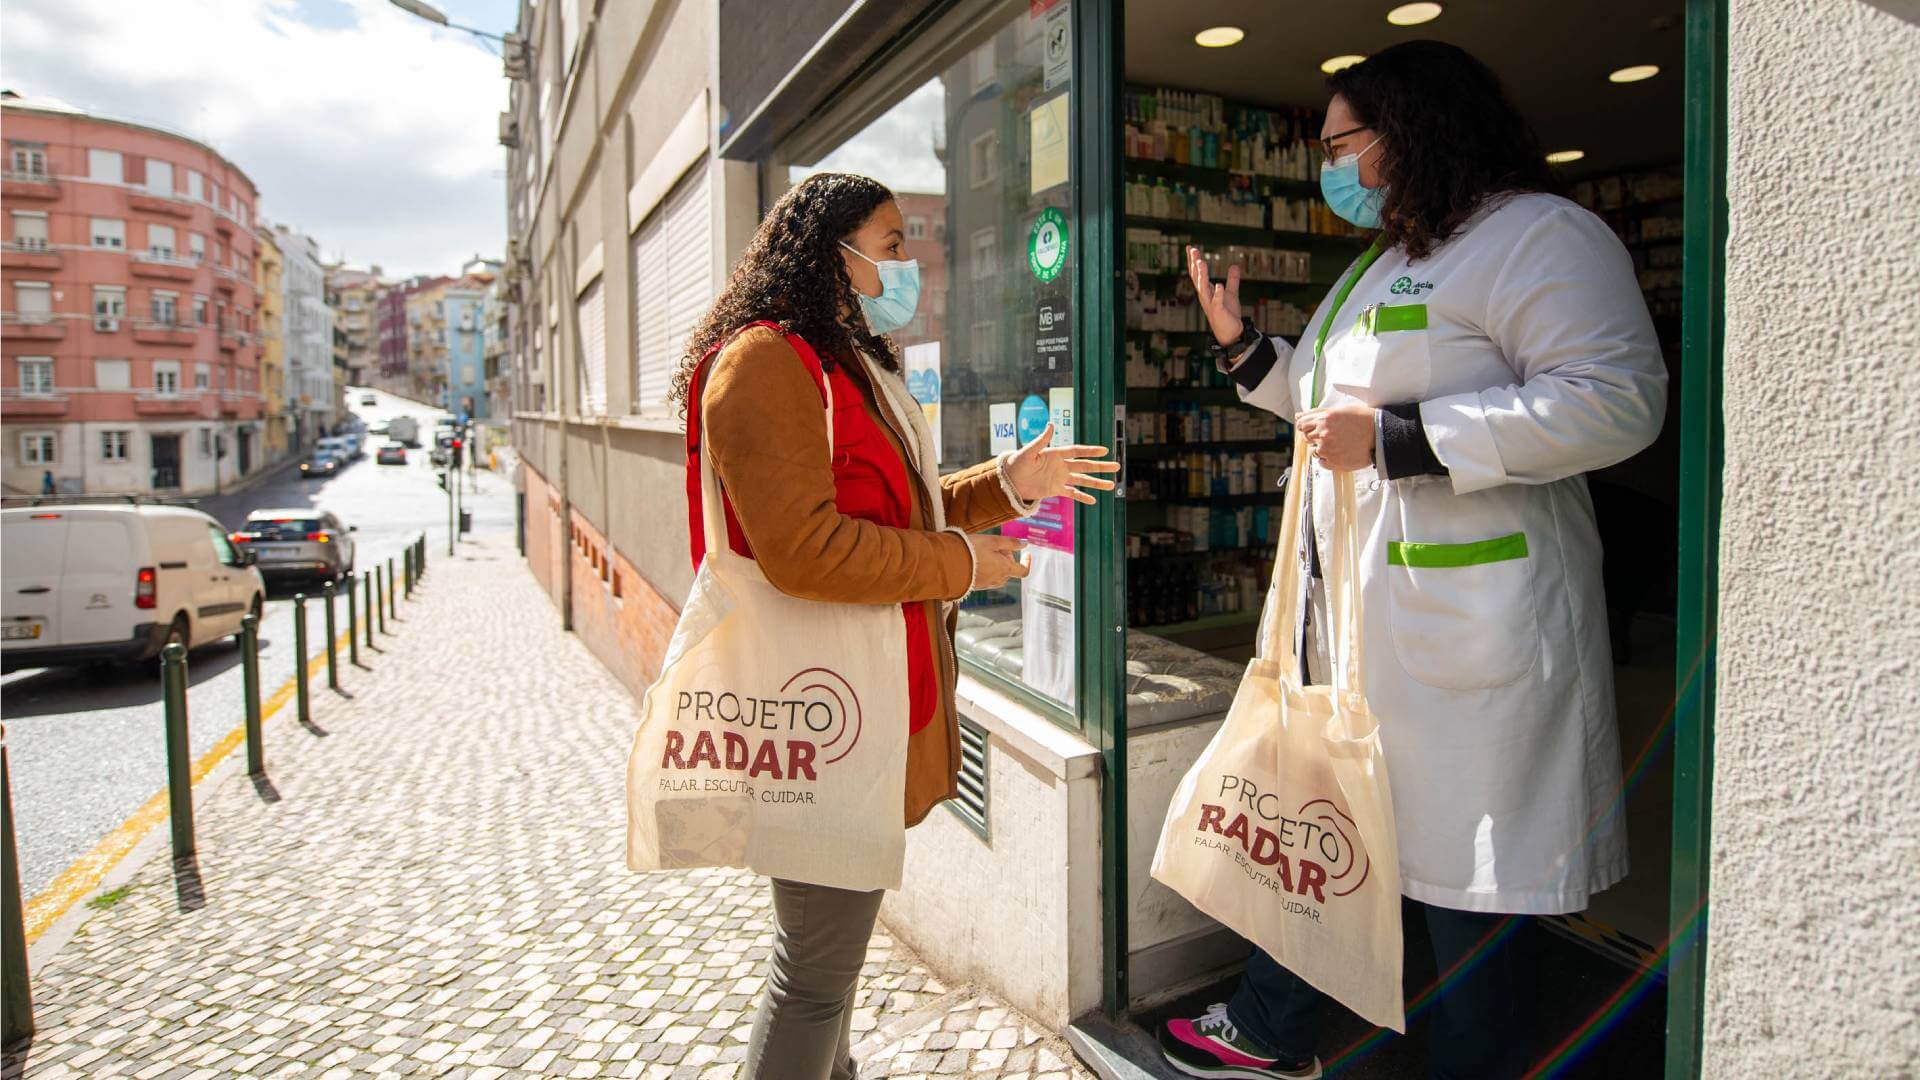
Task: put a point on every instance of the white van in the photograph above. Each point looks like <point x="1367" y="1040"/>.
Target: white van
<point x="85" y="583"/>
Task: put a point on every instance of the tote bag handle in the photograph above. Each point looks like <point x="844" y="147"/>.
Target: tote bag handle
<point x="1341" y="574"/>
<point x="713" y="523"/>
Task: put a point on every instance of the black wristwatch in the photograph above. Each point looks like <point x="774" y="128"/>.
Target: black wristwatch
<point x="1224" y="354"/>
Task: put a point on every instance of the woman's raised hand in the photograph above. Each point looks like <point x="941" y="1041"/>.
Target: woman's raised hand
<point x="1040" y="471"/>
<point x="1220" y="302"/>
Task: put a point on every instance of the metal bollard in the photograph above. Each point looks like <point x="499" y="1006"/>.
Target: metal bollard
<point x="250" y="680"/>
<point x="379" y="600"/>
<point x="333" y="646"/>
<point x="353" y="621"/>
<point x="392" y="611"/>
<point x="16" y="997"/>
<point x="173" y="691"/>
<point x="366" y="578"/>
<point x="406" y="568"/>
<point x="300" y="654"/>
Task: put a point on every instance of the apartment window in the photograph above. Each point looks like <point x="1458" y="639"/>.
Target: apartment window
<point x="166" y="308"/>
<point x="160" y="241"/>
<point x="105" y="166"/>
<point x="160" y="177"/>
<point x="206" y="443"/>
<point x="166" y="376"/>
<point x="30" y="230"/>
<point x="36" y="374"/>
<point x="986" y="247"/>
<point x="916" y="228"/>
<point x="109" y="233"/>
<point x="983" y="159"/>
<point x="240" y="211"/>
<point x="195" y="188"/>
<point x="113" y="445"/>
<point x="109" y="305"/>
<point x="213" y="194"/>
<point x="202" y="377"/>
<point x="199" y="311"/>
<point x="36" y="448"/>
<point x="593" y="350"/>
<point x="33" y="300"/>
<point x="673" y="284"/>
<point x="28" y="158"/>
<point x="113" y="374"/>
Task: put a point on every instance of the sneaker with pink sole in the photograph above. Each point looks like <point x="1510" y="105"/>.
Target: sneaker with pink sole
<point x="1210" y="1045"/>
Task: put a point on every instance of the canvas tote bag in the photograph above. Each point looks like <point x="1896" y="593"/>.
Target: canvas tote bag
<point x="775" y="738"/>
<point x="1283" y="829"/>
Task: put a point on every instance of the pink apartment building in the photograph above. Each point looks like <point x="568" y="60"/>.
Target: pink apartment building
<point x="127" y="308"/>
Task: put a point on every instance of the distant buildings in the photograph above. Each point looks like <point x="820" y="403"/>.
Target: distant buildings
<point x="128" y="320"/>
<point x="353" y="295"/>
<point x="269" y="281"/>
<point x="466" y="323"/>
<point x="308" y="339"/>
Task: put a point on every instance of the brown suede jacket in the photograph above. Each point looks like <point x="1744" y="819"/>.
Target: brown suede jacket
<point x="767" y="433"/>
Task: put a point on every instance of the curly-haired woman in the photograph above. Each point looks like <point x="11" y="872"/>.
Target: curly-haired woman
<point x="1489" y="349"/>
<point x="805" y="315"/>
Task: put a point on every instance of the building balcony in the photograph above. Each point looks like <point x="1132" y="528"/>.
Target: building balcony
<point x="231" y="340"/>
<point x="31" y="255"/>
<point x="153" y="403"/>
<point x="222" y="224"/>
<point x="148" y="265"/>
<point x="159" y="204"/>
<point x="16" y="404"/>
<point x="30" y="186"/>
<point x="16" y="327"/>
<point x="155" y="333"/>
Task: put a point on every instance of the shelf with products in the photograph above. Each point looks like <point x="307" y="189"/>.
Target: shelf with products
<point x="1226" y="232"/>
<point x="1644" y="208"/>
<point x="1217" y="177"/>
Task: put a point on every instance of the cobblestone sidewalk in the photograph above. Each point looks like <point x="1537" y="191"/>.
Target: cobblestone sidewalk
<point x="439" y="891"/>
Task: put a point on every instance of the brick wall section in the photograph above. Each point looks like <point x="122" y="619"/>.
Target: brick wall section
<point x="616" y="611"/>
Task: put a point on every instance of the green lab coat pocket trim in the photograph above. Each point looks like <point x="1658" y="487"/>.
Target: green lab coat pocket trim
<point x="1386" y="318"/>
<point x="1499" y="549"/>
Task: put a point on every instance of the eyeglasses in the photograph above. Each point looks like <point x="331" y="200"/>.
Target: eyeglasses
<point x="1325" y="147"/>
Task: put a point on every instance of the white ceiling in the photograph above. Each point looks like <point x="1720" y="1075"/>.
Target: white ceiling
<point x="1552" y="55"/>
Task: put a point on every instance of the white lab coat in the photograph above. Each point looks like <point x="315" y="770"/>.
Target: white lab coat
<point x="1493" y="681"/>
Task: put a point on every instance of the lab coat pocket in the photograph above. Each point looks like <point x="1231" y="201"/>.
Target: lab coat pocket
<point x="1462" y="615"/>
<point x="1383" y="358"/>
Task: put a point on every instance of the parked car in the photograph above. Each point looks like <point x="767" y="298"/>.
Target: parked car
<point x="341" y="446"/>
<point x="322" y="463"/>
<point x="301" y="543"/>
<point x="442" y="448"/>
<point x="392" y="454"/>
<point x="110" y="583"/>
<point x="369" y="399"/>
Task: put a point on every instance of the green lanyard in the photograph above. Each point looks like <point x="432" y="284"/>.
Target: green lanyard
<point x="1339" y="298"/>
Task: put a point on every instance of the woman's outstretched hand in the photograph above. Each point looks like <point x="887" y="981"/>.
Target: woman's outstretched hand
<point x="1220" y="302"/>
<point x="1038" y="471"/>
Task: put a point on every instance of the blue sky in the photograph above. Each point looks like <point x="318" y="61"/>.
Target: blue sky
<point x="363" y="126"/>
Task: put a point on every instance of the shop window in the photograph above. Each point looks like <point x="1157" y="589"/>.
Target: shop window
<point x="992" y="246"/>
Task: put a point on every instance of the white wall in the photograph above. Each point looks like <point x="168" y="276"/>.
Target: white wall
<point x="1815" y="876"/>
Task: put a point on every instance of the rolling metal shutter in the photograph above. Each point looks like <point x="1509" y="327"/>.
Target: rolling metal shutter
<point x="673" y="283"/>
<point x="593" y="350"/>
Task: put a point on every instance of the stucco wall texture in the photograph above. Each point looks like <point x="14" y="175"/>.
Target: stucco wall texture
<point x="1814" y="939"/>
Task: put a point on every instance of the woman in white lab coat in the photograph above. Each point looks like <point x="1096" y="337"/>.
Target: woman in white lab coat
<point x="1490" y="349"/>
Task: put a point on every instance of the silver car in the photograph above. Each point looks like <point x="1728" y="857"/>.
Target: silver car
<point x="302" y="543"/>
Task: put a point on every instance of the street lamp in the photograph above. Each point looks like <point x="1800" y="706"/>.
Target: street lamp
<point x="515" y="46"/>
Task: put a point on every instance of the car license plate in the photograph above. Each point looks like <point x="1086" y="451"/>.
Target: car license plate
<point x="20" y="632"/>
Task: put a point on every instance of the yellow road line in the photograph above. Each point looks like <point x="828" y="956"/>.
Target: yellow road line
<point x="86" y="872"/>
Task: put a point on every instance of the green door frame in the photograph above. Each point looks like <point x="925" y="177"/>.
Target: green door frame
<point x="1697" y="612"/>
<point x="1100" y="586"/>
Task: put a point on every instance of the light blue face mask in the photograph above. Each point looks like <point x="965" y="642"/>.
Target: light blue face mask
<point x="1340" y="186"/>
<point x="899" y="294"/>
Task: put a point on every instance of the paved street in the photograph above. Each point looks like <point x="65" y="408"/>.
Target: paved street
<point x="439" y="889"/>
<point x="86" y="746"/>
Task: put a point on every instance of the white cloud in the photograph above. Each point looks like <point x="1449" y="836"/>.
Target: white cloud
<point x="374" y="134"/>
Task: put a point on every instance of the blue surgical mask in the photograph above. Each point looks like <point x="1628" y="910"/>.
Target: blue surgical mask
<point x="1340" y="186"/>
<point x="899" y="294"/>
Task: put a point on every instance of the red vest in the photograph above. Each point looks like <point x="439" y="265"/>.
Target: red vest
<point x="870" y="482"/>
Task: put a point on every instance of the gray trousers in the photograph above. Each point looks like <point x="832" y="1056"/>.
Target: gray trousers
<point x="803" y="1028"/>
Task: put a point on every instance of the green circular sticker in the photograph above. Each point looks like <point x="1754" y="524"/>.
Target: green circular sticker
<point x="1047" y="244"/>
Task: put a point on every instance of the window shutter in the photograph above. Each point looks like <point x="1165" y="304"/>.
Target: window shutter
<point x="673" y="284"/>
<point x="593" y="350"/>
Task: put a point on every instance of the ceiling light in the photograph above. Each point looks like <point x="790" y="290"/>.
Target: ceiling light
<point x="1339" y="63"/>
<point x="1634" y="73"/>
<point x="1413" y="14"/>
<point x="1563" y="157"/>
<point x="1219" y="37"/>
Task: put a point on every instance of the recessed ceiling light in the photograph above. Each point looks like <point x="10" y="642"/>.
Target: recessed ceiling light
<point x="1634" y="73"/>
<point x="1562" y="157"/>
<point x="1219" y="37"/>
<point x="1413" y="14"/>
<point x="1339" y="63"/>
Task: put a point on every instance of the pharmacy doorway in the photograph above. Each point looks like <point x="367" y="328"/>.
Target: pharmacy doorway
<point x="1217" y="103"/>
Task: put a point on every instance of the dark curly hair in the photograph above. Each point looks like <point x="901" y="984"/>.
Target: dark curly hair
<point x="1451" y="139"/>
<point x="793" y="274"/>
